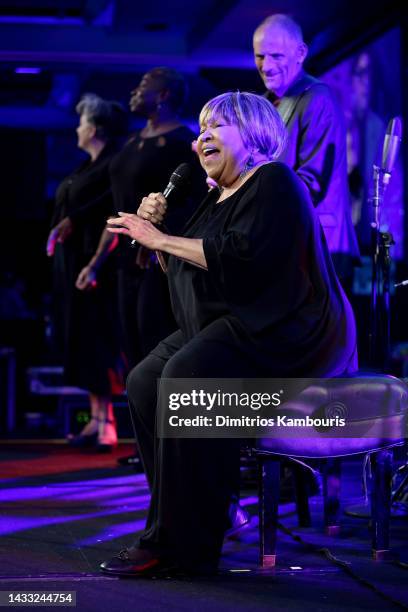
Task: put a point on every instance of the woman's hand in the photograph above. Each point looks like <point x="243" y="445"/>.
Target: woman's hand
<point x="153" y="208"/>
<point x="86" y="279"/>
<point x="144" y="232"/>
<point x="138" y="229"/>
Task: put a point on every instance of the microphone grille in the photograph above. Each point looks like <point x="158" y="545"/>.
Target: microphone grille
<point x="180" y="175"/>
<point x="394" y="127"/>
<point x="391" y="144"/>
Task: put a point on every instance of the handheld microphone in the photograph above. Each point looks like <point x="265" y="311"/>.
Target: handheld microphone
<point x="178" y="179"/>
<point x="391" y="146"/>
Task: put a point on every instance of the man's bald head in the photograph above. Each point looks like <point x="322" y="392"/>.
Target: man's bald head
<point x="284" y="22"/>
<point x="279" y="52"/>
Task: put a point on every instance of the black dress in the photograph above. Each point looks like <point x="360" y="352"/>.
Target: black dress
<point x="144" y="165"/>
<point x="270" y="275"/>
<point x="269" y="305"/>
<point x="87" y="319"/>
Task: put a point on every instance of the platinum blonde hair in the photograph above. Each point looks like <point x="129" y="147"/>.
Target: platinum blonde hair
<point x="258" y="121"/>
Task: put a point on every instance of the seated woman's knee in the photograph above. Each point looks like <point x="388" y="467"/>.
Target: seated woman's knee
<point x="186" y="364"/>
<point x="138" y="378"/>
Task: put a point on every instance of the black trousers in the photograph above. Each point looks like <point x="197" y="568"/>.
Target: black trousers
<point x="191" y="480"/>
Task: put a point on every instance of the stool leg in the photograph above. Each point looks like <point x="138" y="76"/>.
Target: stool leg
<point x="381" y="465"/>
<point x="331" y="495"/>
<point x="269" y="476"/>
<point x="302" y="497"/>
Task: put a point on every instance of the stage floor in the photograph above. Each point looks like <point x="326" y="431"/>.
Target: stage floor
<point x="62" y="512"/>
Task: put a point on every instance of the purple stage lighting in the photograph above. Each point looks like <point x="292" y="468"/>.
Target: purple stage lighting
<point x="27" y="70"/>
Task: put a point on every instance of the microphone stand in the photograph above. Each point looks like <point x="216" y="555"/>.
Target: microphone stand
<point x="380" y="316"/>
<point x="379" y="338"/>
<point x="380" y="343"/>
<point x="379" y="334"/>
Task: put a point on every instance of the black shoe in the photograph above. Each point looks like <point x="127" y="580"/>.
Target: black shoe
<point x="84" y="440"/>
<point x="104" y="448"/>
<point x="142" y="563"/>
<point x="138" y="562"/>
<point x="239" y="518"/>
<point x="80" y="441"/>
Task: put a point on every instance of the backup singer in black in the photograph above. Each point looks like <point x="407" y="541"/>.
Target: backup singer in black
<point x="255" y="294"/>
<point x="87" y="318"/>
<point x="144" y="165"/>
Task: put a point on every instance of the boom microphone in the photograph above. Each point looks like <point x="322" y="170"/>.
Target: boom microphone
<point x="391" y="145"/>
<point x="178" y="179"/>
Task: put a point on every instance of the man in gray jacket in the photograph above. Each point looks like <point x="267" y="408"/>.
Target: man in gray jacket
<point x="316" y="147"/>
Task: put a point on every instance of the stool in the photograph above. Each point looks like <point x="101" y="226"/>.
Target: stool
<point x="375" y="409"/>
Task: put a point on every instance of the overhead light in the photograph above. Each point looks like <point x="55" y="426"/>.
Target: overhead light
<point x="27" y="70"/>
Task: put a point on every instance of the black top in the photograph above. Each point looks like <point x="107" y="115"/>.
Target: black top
<point x="85" y="197"/>
<point x="144" y="165"/>
<point x="270" y="275"/>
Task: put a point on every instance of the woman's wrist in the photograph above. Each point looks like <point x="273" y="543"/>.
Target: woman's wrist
<point x="189" y="249"/>
<point x="94" y="264"/>
<point x="167" y="243"/>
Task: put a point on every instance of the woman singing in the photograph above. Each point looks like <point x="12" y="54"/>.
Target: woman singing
<point x="255" y="294"/>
